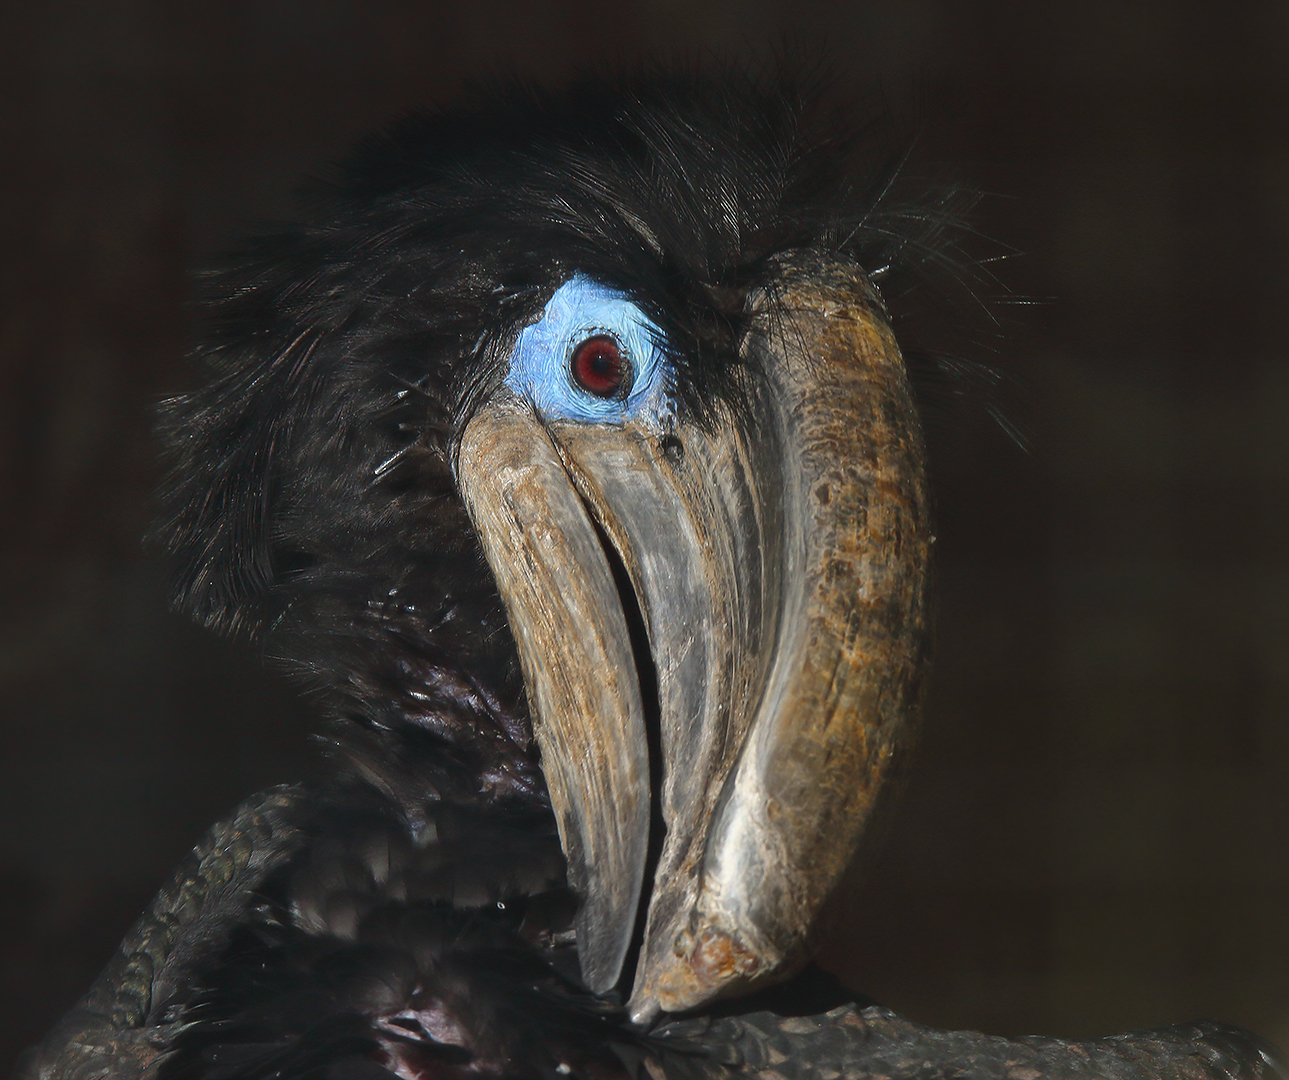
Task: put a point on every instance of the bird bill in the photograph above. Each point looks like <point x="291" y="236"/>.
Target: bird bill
<point x="777" y="554"/>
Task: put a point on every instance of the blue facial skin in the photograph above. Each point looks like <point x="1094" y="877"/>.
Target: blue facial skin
<point x="582" y="308"/>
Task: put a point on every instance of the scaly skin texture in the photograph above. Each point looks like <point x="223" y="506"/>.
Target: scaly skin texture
<point x="123" y="1026"/>
<point x="853" y="1042"/>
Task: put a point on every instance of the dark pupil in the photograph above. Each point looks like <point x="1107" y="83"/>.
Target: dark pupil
<point x="598" y="366"/>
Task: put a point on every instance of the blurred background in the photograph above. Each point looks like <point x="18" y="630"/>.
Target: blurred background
<point x="1095" y="833"/>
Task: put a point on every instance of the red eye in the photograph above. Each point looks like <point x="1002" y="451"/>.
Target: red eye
<point x="599" y="367"/>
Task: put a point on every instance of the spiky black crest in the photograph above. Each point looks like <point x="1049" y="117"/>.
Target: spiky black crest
<point x="310" y="496"/>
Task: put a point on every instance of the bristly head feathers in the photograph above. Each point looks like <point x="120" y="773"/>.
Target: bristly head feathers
<point x="310" y="498"/>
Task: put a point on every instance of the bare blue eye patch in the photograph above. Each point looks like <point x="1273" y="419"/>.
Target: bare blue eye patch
<point x="582" y="308"/>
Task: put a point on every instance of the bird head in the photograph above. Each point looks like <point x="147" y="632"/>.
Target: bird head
<point x="565" y="446"/>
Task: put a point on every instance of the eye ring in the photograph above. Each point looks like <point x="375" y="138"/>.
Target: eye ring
<point x="599" y="367"/>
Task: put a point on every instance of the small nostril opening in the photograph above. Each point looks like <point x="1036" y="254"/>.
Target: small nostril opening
<point x="672" y="447"/>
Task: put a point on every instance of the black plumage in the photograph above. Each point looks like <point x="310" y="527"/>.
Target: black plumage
<point x="411" y="917"/>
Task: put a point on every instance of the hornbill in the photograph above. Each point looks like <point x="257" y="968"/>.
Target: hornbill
<point x="564" y="448"/>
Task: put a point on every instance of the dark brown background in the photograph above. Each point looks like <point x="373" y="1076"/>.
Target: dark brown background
<point x="1096" y="836"/>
